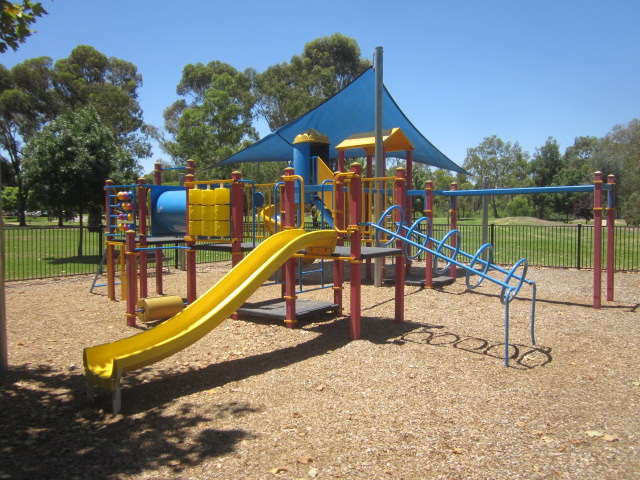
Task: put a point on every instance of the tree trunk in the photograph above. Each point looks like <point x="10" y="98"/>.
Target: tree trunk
<point x="494" y="206"/>
<point x="60" y="216"/>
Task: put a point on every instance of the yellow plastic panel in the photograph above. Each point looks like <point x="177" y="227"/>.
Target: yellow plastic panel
<point x="195" y="196"/>
<point x="209" y="229"/>
<point x="222" y="229"/>
<point x="195" y="212"/>
<point x="222" y="212"/>
<point x="208" y="197"/>
<point x="195" y="228"/>
<point x="209" y="213"/>
<point x="222" y="196"/>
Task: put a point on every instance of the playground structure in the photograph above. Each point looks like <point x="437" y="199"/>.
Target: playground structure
<point x="212" y="215"/>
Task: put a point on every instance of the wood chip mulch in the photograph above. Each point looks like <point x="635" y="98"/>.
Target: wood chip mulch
<point x="425" y="399"/>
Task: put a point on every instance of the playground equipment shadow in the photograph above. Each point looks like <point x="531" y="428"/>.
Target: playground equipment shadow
<point x="145" y="394"/>
<point x="74" y="442"/>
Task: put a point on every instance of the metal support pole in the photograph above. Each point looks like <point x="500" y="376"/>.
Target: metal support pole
<point x="454" y="226"/>
<point x="237" y="197"/>
<point x="132" y="284"/>
<point x="340" y="224"/>
<point x="142" y="230"/>
<point x="429" y="214"/>
<point x="597" y="239"/>
<point x="190" y="243"/>
<point x="485" y="211"/>
<point x="355" y="199"/>
<point x="611" y="243"/>
<point x="401" y="198"/>
<point x="379" y="155"/>
<point x="288" y="221"/>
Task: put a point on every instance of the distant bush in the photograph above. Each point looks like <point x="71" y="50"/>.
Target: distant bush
<point x="520" y="206"/>
<point x="631" y="210"/>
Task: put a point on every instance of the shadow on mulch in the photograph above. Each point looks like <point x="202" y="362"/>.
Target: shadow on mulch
<point x="48" y="432"/>
<point x="333" y="335"/>
<point x="521" y="357"/>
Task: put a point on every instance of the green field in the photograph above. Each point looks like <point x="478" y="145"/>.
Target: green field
<point x="41" y="250"/>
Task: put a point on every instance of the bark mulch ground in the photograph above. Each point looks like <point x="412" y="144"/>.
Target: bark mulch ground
<point x="428" y="398"/>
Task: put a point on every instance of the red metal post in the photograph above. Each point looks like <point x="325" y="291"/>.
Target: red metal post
<point x="611" y="244"/>
<point x="190" y="243"/>
<point x="597" y="239"/>
<point x="111" y="268"/>
<point x="408" y="200"/>
<point x="409" y="186"/>
<point x="428" y="188"/>
<point x="157" y="173"/>
<point x="132" y="284"/>
<point x="288" y="221"/>
<point x="191" y="168"/>
<point x="401" y="199"/>
<point x="368" y="212"/>
<point x="355" y="209"/>
<point x="340" y="161"/>
<point x="338" y="265"/>
<point x="237" y="198"/>
<point x="142" y="232"/>
<point x="454" y="225"/>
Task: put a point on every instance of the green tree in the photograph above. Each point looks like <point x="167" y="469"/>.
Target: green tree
<point x="618" y="153"/>
<point x="288" y="90"/>
<point x="9" y="199"/>
<point x="68" y="162"/>
<point x="215" y="119"/>
<point x="632" y="210"/>
<point x="110" y="85"/>
<point x="15" y="20"/>
<point x="546" y="163"/>
<point x="27" y="102"/>
<point x="503" y="164"/>
<point x="579" y="156"/>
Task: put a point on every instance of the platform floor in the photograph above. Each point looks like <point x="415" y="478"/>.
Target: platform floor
<point x="276" y="309"/>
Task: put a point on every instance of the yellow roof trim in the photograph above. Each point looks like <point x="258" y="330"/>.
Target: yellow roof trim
<point x="311" y="136"/>
<point x="393" y="140"/>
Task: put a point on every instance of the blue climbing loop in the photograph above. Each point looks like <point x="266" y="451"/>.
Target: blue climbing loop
<point x="417" y="239"/>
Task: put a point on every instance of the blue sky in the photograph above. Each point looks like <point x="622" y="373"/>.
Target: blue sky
<point x="461" y="70"/>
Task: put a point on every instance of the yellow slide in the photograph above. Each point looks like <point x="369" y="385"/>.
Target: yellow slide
<point x="104" y="364"/>
<point x="270" y="219"/>
<point x="325" y="173"/>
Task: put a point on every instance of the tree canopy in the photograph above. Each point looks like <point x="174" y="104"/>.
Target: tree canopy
<point x="214" y="119"/>
<point x="503" y="164"/>
<point x="68" y="162"/>
<point x="288" y="90"/>
<point x="16" y="19"/>
<point x="37" y="91"/>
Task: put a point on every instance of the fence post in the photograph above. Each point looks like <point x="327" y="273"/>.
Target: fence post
<point x="579" y="247"/>
<point x="493" y="235"/>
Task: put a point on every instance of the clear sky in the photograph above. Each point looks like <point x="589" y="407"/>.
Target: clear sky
<point x="461" y="70"/>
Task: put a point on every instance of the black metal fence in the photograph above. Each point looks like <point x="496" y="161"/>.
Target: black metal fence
<point x="41" y="252"/>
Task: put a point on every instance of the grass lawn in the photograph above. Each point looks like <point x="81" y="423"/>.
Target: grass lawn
<point x="44" y="250"/>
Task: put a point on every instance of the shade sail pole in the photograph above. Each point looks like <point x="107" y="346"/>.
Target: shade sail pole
<point x="379" y="156"/>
